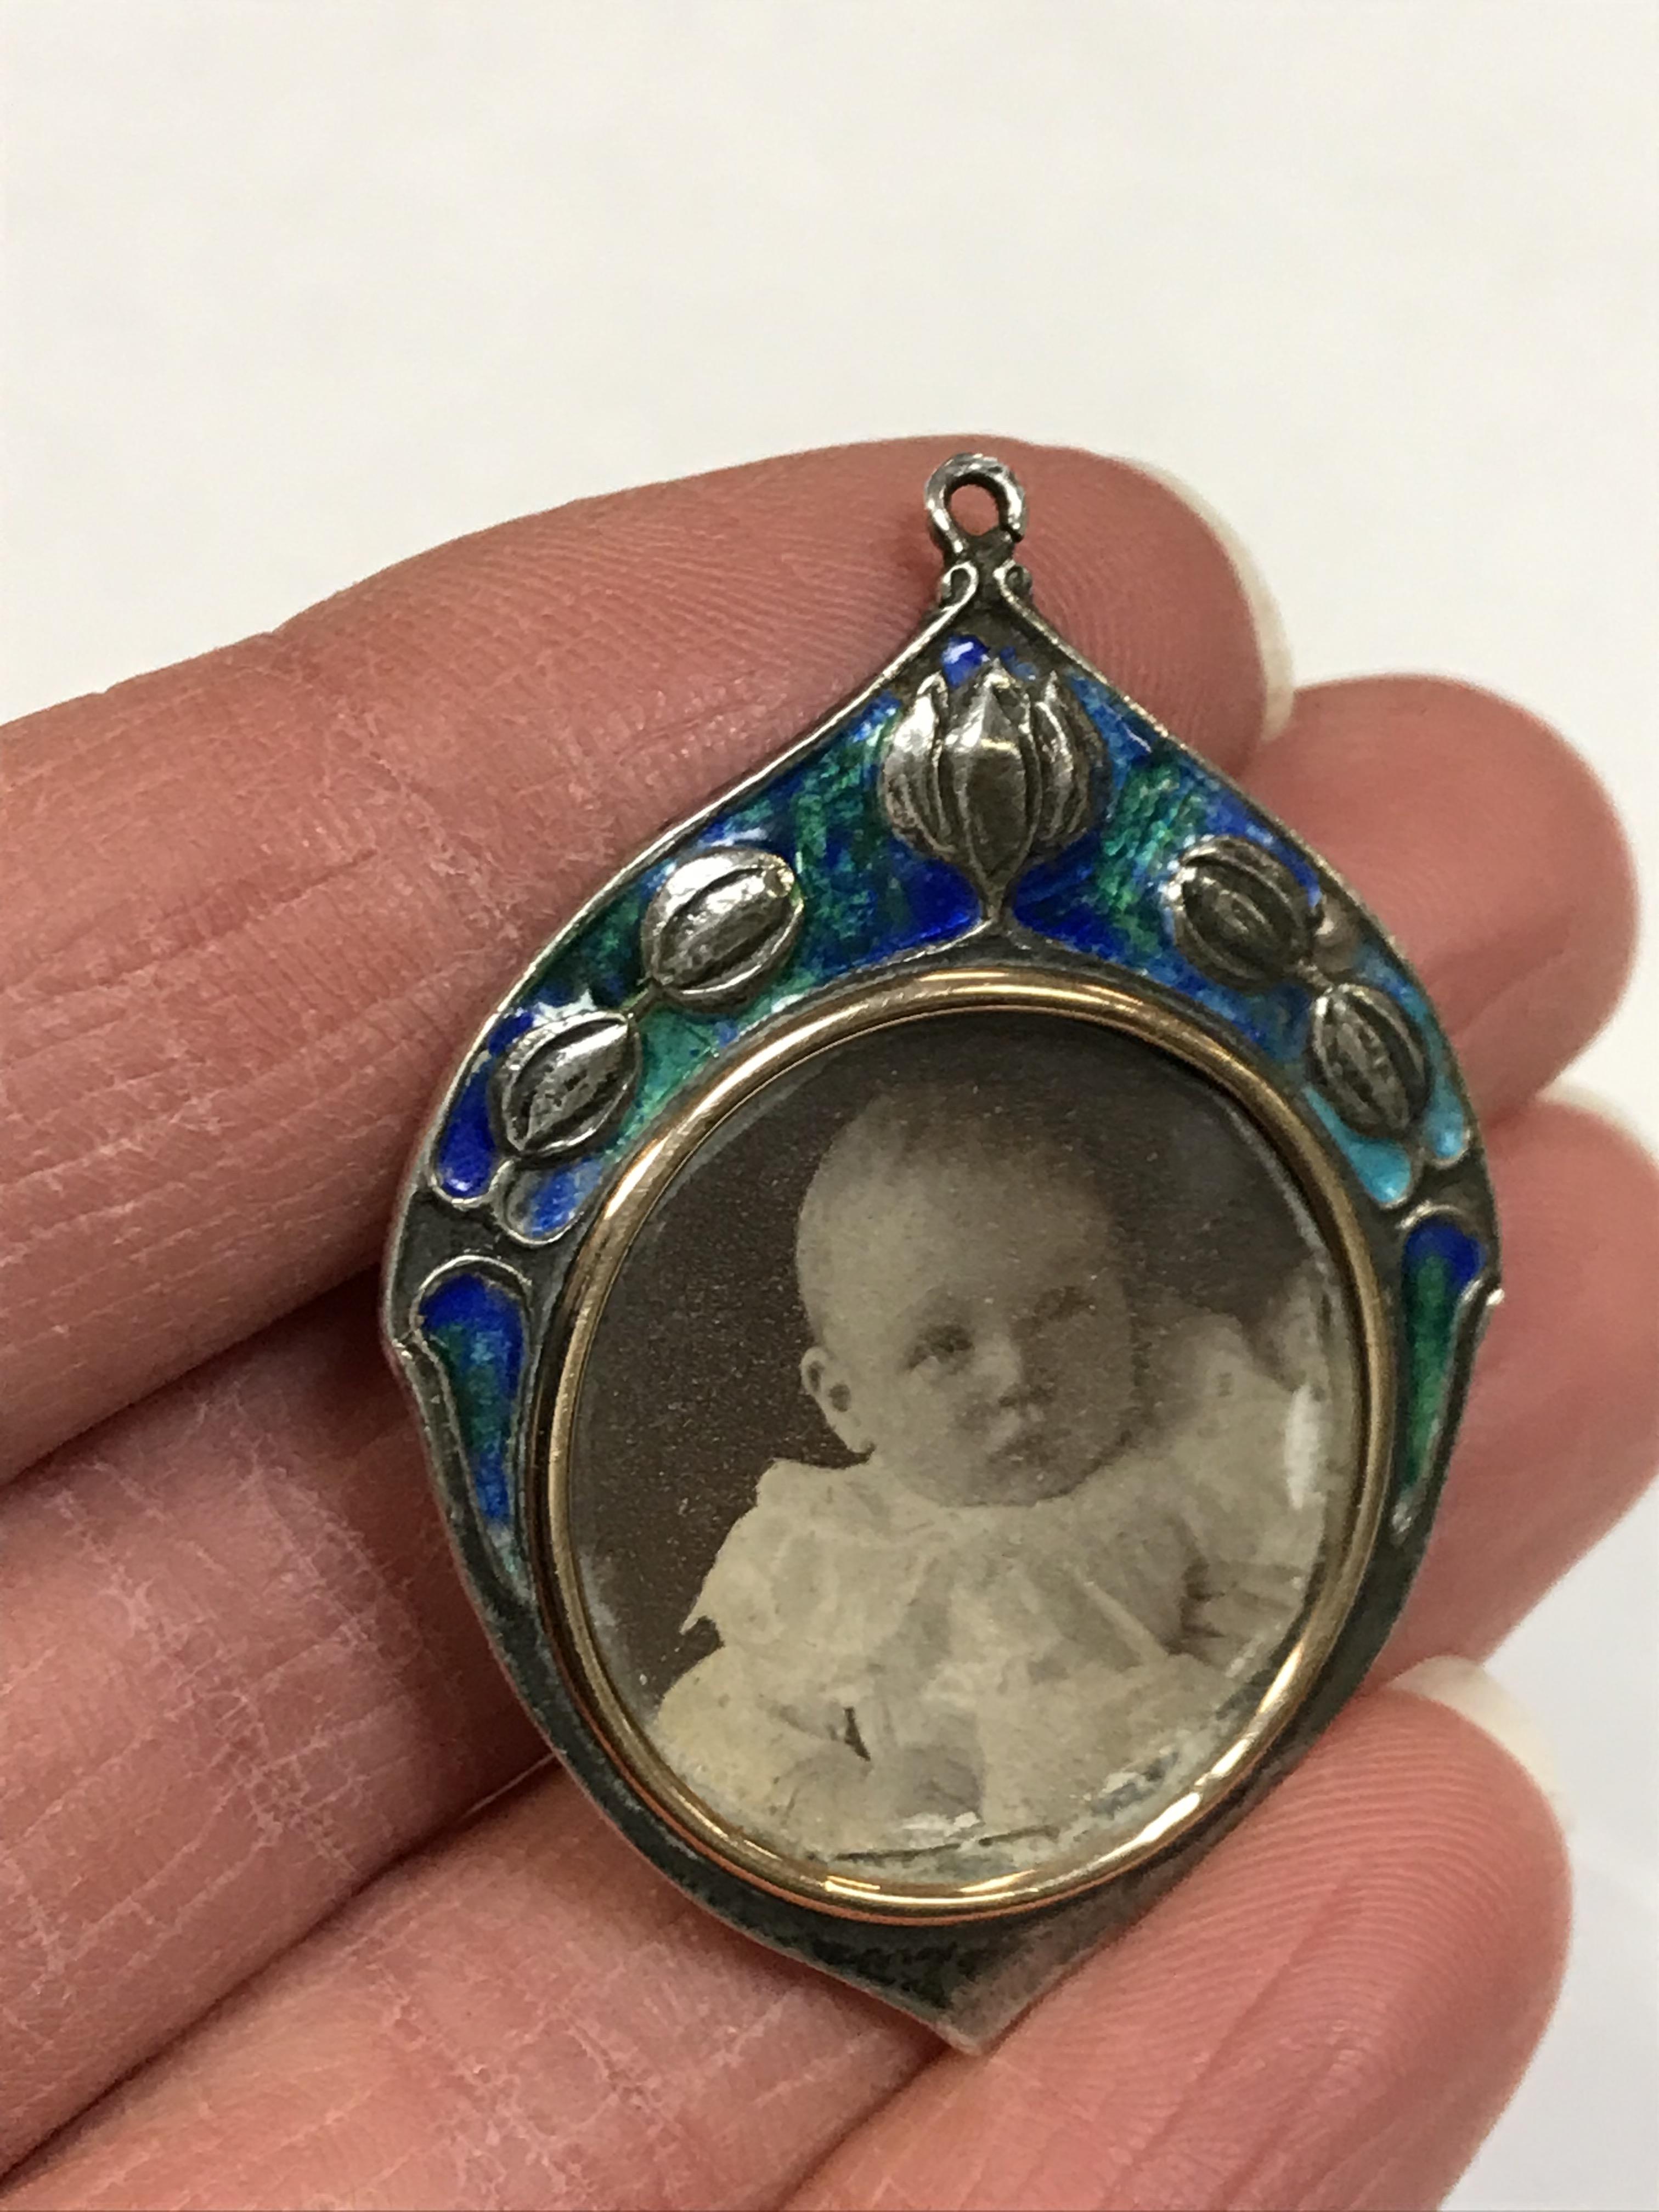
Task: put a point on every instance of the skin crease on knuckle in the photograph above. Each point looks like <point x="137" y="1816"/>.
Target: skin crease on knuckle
<point x="1523" y="985"/>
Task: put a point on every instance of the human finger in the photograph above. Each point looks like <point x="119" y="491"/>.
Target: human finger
<point x="1488" y="848"/>
<point x="530" y="2016"/>
<point x="527" y="2014"/>
<point x="251" y="905"/>
<point x="241" y="1675"/>
<point x="243" y="1678"/>
<point x="1331" y="2011"/>
<point x="1562" y="1428"/>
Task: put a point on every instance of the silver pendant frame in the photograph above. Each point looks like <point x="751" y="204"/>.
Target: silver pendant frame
<point x="994" y="791"/>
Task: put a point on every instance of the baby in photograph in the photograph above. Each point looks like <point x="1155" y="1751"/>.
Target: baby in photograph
<point x="1079" y="1514"/>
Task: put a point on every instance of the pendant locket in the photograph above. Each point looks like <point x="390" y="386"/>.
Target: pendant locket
<point x="938" y="1306"/>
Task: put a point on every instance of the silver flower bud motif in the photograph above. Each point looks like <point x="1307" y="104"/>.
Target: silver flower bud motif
<point x="720" y="925"/>
<point x="1240" y="914"/>
<point x="1370" y="1060"/>
<point x="565" y="1081"/>
<point x="992" y="780"/>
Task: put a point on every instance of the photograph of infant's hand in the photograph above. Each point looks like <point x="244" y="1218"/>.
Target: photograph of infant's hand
<point x="1032" y="1472"/>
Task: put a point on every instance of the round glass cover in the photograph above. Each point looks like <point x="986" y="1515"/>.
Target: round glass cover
<point x="960" y="1449"/>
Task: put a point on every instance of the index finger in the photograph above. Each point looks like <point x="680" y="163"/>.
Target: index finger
<point x="254" y="904"/>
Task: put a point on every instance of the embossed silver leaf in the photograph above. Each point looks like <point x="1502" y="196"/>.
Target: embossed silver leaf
<point x="1370" y="1060"/>
<point x="1240" y="914"/>
<point x="1005" y="776"/>
<point x="718" y="925"/>
<point x="565" y="1081"/>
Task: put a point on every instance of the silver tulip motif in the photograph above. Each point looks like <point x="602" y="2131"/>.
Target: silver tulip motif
<point x="565" y="1081"/>
<point x="1240" y="914"/>
<point x="720" y="924"/>
<point x="1004" y="774"/>
<point x="1370" y="1060"/>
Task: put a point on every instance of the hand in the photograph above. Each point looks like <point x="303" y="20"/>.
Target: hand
<point x="251" y="907"/>
<point x="936" y="1781"/>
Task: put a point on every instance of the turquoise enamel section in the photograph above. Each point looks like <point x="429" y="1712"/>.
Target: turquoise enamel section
<point x="1104" y="894"/>
<point x="474" y="1325"/>
<point x="1387" y="1169"/>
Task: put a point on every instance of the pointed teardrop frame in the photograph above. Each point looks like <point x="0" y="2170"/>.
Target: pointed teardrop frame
<point x="993" y="867"/>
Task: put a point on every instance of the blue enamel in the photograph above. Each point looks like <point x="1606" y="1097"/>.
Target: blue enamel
<point x="474" y="1325"/>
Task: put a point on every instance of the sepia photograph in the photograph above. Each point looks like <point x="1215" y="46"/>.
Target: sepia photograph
<point x="1006" y="1423"/>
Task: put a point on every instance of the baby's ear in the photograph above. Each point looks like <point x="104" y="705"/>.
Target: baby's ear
<point x="825" y="1383"/>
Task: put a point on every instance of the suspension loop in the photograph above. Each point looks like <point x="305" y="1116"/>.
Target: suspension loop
<point x="989" y="475"/>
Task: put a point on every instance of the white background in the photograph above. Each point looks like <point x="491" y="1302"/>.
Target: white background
<point x="296" y="288"/>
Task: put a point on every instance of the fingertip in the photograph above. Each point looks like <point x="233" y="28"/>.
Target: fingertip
<point x="1563" y="1418"/>
<point x="1584" y="1103"/>
<point x="1331" y="2009"/>
<point x="1273" y="641"/>
<point x="1150" y="584"/>
<point x="1462" y="1686"/>
<point x="1486" y="843"/>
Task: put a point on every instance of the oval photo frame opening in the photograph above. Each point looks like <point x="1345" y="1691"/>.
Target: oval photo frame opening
<point x="824" y="1559"/>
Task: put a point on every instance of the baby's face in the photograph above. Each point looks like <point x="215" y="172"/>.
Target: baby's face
<point x="977" y="1336"/>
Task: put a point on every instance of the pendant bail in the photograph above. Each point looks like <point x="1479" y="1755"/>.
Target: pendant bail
<point x="983" y="547"/>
